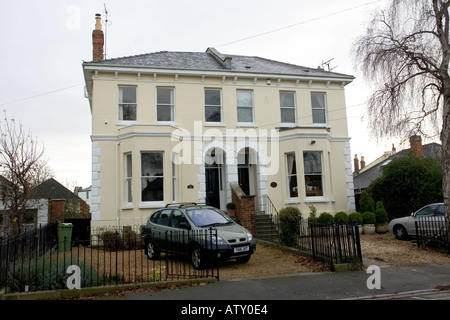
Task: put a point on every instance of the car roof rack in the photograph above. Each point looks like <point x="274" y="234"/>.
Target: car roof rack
<point x="181" y="204"/>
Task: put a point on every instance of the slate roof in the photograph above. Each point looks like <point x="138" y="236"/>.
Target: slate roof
<point x="212" y="60"/>
<point x="365" y="178"/>
<point x="52" y="189"/>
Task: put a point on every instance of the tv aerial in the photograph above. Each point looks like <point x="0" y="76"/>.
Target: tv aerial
<point x="106" y="23"/>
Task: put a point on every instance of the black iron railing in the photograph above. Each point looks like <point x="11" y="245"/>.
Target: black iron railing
<point x="433" y="232"/>
<point x="107" y="258"/>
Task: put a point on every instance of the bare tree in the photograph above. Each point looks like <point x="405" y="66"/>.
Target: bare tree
<point x="22" y="167"/>
<point x="405" y="54"/>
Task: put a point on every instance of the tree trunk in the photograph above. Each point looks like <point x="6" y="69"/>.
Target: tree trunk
<point x="445" y="139"/>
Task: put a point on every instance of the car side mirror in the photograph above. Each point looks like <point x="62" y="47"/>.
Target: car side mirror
<point x="185" y="225"/>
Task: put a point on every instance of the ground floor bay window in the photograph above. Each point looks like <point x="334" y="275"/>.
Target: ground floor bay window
<point x="312" y="162"/>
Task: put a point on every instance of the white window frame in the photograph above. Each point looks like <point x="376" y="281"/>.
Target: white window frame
<point x="307" y="187"/>
<point x="128" y="178"/>
<point x="122" y="104"/>
<point x="245" y="107"/>
<point x="156" y="202"/>
<point x="170" y="105"/>
<point x="283" y="108"/>
<point x="214" y="106"/>
<point x="291" y="191"/>
<point x="324" y="109"/>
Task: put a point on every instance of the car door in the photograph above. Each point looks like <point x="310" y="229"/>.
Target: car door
<point x="179" y="233"/>
<point x="160" y="229"/>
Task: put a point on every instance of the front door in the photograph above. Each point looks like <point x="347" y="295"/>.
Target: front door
<point x="213" y="186"/>
<point x="244" y="179"/>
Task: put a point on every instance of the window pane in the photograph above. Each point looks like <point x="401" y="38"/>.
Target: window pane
<point x="164" y="113"/>
<point x="292" y="176"/>
<point x="287" y="100"/>
<point x="127" y="94"/>
<point x="287" y="115"/>
<point x="152" y="181"/>
<point x="212" y="114"/>
<point x="244" y="98"/>
<point x="318" y="100"/>
<point x="245" y="115"/>
<point x="212" y="98"/>
<point x="152" y="164"/>
<point x="128" y="112"/>
<point x="318" y="116"/>
<point x="312" y="162"/>
<point x="165" y="96"/>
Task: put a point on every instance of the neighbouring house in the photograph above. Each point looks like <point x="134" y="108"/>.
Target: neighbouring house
<point x="84" y="193"/>
<point x="50" y="202"/>
<point x="364" y="174"/>
<point x="187" y="126"/>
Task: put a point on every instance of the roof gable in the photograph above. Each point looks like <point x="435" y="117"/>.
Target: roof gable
<point x="52" y="189"/>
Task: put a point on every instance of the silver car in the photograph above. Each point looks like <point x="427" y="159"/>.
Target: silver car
<point x="404" y="228"/>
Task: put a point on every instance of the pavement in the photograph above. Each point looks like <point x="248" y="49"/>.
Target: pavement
<point x="378" y="282"/>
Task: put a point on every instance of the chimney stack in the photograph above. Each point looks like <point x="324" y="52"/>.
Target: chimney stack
<point x="363" y="162"/>
<point x="98" y="39"/>
<point x="356" y="163"/>
<point x="416" y="145"/>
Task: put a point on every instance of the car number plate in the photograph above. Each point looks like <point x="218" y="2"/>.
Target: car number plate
<point x="241" y="249"/>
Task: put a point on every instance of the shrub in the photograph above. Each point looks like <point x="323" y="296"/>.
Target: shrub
<point x="366" y="202"/>
<point x="289" y="225"/>
<point x="368" y="217"/>
<point x="355" y="216"/>
<point x="325" y="217"/>
<point x="112" y="240"/>
<point x="312" y="214"/>
<point x="341" y="216"/>
<point x="380" y="213"/>
<point x="231" y="206"/>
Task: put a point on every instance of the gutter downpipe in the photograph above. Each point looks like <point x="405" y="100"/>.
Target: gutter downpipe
<point x="117" y="186"/>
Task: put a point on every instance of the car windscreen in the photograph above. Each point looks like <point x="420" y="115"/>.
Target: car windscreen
<point x="206" y="217"/>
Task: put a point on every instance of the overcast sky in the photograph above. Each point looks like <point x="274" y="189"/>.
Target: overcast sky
<point x="43" y="44"/>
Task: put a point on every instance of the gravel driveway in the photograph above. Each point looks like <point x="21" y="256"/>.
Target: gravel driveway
<point x="376" y="249"/>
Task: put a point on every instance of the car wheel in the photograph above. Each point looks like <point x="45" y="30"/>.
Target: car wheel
<point x="197" y="257"/>
<point x="400" y="233"/>
<point x="151" y="251"/>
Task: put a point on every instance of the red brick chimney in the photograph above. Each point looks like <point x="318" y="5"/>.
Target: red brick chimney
<point x="98" y="39"/>
<point x="363" y="162"/>
<point x="356" y="163"/>
<point x="416" y="145"/>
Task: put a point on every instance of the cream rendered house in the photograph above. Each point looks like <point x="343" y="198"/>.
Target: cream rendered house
<point x="182" y="126"/>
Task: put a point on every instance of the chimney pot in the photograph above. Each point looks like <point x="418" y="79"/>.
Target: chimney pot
<point x="363" y="162"/>
<point x="356" y="163"/>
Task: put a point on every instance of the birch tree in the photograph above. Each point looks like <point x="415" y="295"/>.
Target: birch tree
<point x="405" y="54"/>
<point x="22" y="167"/>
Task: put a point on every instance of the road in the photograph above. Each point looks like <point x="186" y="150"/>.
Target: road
<point x="383" y="282"/>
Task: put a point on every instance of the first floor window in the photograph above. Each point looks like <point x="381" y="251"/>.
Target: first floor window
<point x="213" y="105"/>
<point x="312" y="162"/>
<point x="292" y="175"/>
<point x="127" y="103"/>
<point x="318" y="105"/>
<point x="165" y="104"/>
<point x="245" y="106"/>
<point x="287" y="104"/>
<point x="152" y="176"/>
<point x="128" y="178"/>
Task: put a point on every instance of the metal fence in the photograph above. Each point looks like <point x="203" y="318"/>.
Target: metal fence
<point x="433" y="232"/>
<point x="332" y="243"/>
<point x="107" y="258"/>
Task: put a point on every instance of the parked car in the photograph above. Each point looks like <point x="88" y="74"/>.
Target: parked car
<point x="405" y="227"/>
<point x="199" y="232"/>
